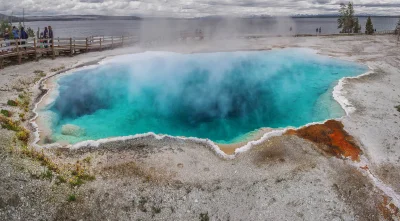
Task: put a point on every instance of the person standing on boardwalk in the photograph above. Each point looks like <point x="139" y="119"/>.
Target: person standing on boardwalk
<point x="15" y="32"/>
<point x="45" y="36"/>
<point x="319" y="30"/>
<point x="50" y="34"/>
<point x="38" y="33"/>
<point x="316" y="31"/>
<point x="24" y="36"/>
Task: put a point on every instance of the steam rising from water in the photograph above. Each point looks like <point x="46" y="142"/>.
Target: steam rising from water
<point x="220" y="96"/>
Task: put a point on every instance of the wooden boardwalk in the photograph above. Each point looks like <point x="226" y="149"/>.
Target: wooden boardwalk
<point x="14" y="51"/>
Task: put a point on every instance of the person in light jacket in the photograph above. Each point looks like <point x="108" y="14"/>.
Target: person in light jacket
<point x="15" y="32"/>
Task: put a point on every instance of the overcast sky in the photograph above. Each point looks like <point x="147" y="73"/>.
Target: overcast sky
<point x="193" y="8"/>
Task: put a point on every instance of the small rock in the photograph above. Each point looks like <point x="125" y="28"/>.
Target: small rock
<point x="72" y="130"/>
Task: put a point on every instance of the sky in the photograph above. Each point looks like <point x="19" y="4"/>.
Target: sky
<point x="194" y="8"/>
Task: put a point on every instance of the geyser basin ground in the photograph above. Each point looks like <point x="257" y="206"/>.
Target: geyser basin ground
<point x="222" y="96"/>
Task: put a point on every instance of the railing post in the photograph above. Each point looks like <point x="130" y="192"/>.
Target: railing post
<point x="34" y="46"/>
<point x="52" y="48"/>
<point x="18" y="53"/>
<point x="112" y="41"/>
<point x="86" y="44"/>
<point x="70" y="46"/>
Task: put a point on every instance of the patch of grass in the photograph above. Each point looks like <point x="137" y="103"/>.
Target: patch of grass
<point x="48" y="174"/>
<point x="12" y="103"/>
<point x="398" y="108"/>
<point x="22" y="116"/>
<point x="60" y="179"/>
<point x="142" y="203"/>
<point x="79" y="176"/>
<point x="24" y="101"/>
<point x="155" y="210"/>
<point x="9" y="124"/>
<point x="75" y="181"/>
<point x="6" y="113"/>
<point x="39" y="73"/>
<point x="71" y="198"/>
<point x="23" y="135"/>
<point x="204" y="217"/>
<point x="57" y="69"/>
<point x="88" y="160"/>
<point x="39" y="156"/>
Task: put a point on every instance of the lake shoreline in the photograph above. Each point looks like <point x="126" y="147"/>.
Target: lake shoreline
<point x="245" y="143"/>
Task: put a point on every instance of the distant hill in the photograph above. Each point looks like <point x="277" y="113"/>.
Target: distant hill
<point x="67" y="18"/>
<point x="79" y="17"/>
<point x="10" y="18"/>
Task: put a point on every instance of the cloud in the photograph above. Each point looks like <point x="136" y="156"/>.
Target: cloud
<point x="92" y="1"/>
<point x="195" y="8"/>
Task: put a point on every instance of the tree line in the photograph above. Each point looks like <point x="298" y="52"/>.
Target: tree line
<point x="349" y="23"/>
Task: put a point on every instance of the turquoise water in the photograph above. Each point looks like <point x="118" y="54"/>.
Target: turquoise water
<point x="220" y="96"/>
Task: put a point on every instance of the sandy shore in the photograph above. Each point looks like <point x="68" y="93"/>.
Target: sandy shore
<point x="282" y="177"/>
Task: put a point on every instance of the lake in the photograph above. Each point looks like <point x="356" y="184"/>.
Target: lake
<point x="211" y="27"/>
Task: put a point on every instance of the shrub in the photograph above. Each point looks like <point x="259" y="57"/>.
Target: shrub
<point x="6" y="113"/>
<point x="398" y="108"/>
<point x="12" y="103"/>
<point x="204" y="216"/>
<point x="23" y="135"/>
<point x="22" y="116"/>
<point x="71" y="198"/>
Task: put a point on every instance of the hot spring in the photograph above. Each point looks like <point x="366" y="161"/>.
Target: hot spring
<point x="222" y="96"/>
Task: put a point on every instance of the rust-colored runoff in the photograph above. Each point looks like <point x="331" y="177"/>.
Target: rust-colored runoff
<point x="331" y="138"/>
<point x="388" y="209"/>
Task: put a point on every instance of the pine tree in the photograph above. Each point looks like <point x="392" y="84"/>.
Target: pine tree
<point x="350" y="17"/>
<point x="357" y="26"/>
<point x="342" y="17"/>
<point x="346" y="20"/>
<point x="369" y="27"/>
<point x="397" y="27"/>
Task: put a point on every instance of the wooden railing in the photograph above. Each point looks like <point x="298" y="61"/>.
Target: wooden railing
<point x="11" y="50"/>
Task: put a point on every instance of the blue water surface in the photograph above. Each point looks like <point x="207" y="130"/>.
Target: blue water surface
<point x="220" y="96"/>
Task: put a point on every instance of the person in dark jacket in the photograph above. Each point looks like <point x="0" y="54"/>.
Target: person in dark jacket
<point x="24" y="36"/>
<point x="45" y="36"/>
<point x="50" y="34"/>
